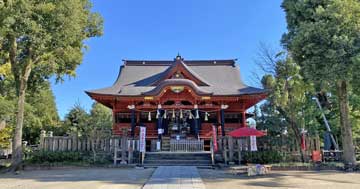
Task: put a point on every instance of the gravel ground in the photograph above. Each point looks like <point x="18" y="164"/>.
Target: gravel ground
<point x="215" y="179"/>
<point x="92" y="178"/>
<point x="111" y="178"/>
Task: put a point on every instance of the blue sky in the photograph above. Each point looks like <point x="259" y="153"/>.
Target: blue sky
<point x="159" y="29"/>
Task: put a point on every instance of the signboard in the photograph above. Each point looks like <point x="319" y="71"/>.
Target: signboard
<point x="160" y="131"/>
<point x="253" y="146"/>
<point x="142" y="142"/>
<point x="214" y="135"/>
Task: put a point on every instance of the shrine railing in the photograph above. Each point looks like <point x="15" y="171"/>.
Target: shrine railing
<point x="186" y="145"/>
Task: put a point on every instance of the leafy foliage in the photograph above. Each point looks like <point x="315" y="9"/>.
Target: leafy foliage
<point x="262" y="157"/>
<point x="41" y="39"/>
<point x="324" y="39"/>
<point x="101" y="116"/>
<point x="77" y="120"/>
<point x="51" y="157"/>
<point x="84" y="124"/>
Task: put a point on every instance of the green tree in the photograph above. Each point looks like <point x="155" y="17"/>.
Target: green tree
<point x="288" y="94"/>
<point x="101" y="116"/>
<point x="40" y="108"/>
<point x="77" y="121"/>
<point x="323" y="37"/>
<point x="39" y="39"/>
<point x="100" y="125"/>
<point x="40" y="113"/>
<point x="6" y="114"/>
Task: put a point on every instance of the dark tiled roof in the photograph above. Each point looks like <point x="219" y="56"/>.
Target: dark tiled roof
<point x="222" y="77"/>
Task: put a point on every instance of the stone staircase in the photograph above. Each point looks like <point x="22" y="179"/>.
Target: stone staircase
<point x="200" y="159"/>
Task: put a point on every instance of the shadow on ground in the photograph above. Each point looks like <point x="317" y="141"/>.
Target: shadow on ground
<point x="78" y="177"/>
<point x="281" y="179"/>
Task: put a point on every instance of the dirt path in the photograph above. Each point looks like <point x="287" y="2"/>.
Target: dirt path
<point x="215" y="179"/>
<point x="92" y="178"/>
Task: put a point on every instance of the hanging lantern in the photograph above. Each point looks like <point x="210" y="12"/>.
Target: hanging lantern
<point x="190" y="115"/>
<point x="173" y="114"/>
<point x="197" y="114"/>
<point x="149" y="116"/>
<point x="157" y="114"/>
<point x="206" y="116"/>
<point x="165" y="114"/>
<point x="181" y="114"/>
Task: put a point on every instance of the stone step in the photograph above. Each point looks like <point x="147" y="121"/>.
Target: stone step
<point x="177" y="158"/>
<point x="178" y="162"/>
<point x="197" y="166"/>
<point x="178" y="154"/>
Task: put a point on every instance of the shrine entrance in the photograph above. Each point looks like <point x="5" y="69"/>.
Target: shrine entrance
<point x="178" y="130"/>
<point x="180" y="125"/>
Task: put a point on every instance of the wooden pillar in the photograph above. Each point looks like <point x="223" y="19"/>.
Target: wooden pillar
<point x="124" y="146"/>
<point x="225" y="150"/>
<point x="133" y="122"/>
<point x="114" y="119"/>
<point x="222" y="121"/>
<point x="160" y="122"/>
<point x="196" y="121"/>
<point x="231" y="148"/>
<point x="114" y="128"/>
<point x="244" y="119"/>
<point x="239" y="148"/>
<point x="138" y="117"/>
<point x="42" y="139"/>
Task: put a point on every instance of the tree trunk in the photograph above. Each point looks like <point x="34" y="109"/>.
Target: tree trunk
<point x="297" y="134"/>
<point x="296" y="130"/>
<point x="346" y="131"/>
<point x="17" y="153"/>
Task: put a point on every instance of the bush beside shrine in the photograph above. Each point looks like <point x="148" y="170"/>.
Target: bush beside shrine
<point x="262" y="157"/>
<point x="65" y="158"/>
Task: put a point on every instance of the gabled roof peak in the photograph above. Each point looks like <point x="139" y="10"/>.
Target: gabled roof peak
<point x="180" y="67"/>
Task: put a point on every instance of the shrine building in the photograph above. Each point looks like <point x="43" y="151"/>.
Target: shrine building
<point x="178" y="100"/>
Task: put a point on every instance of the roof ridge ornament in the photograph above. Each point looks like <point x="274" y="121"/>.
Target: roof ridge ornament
<point x="178" y="57"/>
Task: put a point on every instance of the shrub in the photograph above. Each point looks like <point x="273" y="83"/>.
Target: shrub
<point x="52" y="157"/>
<point x="84" y="158"/>
<point x="262" y="157"/>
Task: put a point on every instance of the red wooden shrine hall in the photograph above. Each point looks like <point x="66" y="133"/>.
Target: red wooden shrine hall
<point x="178" y="98"/>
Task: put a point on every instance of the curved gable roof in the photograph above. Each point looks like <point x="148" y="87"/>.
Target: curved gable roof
<point x="180" y="66"/>
<point x="220" y="77"/>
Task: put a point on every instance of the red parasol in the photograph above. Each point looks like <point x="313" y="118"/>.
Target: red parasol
<point x="245" y="132"/>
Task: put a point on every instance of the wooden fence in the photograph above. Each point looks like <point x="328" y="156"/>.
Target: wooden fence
<point x="231" y="148"/>
<point x="122" y="149"/>
<point x="48" y="142"/>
